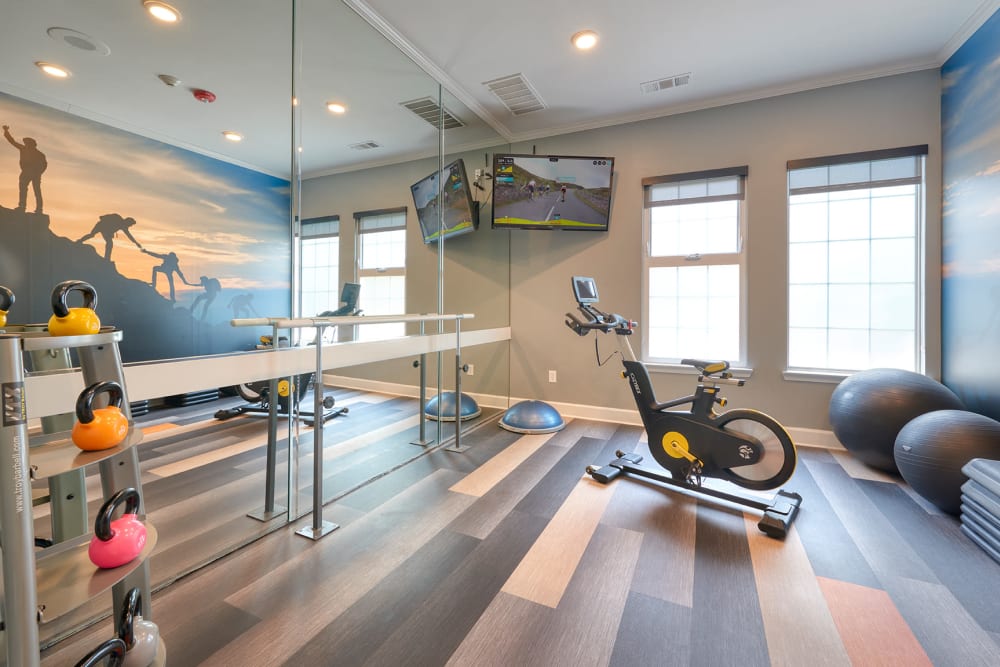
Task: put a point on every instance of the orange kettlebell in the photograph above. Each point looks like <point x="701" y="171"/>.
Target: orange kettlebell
<point x="100" y="428"/>
<point x="67" y="321"/>
<point x="6" y="301"/>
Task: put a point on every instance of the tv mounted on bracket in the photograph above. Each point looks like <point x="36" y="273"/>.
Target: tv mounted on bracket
<point x="444" y="203"/>
<point x="552" y="192"/>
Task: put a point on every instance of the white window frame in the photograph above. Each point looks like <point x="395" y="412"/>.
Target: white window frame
<point x="737" y="258"/>
<point x="330" y="225"/>
<point x="374" y="222"/>
<point x="919" y="179"/>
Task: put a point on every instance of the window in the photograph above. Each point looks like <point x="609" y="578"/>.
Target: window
<point x="694" y="272"/>
<point x="855" y="226"/>
<point x="320" y="265"/>
<point x="381" y="254"/>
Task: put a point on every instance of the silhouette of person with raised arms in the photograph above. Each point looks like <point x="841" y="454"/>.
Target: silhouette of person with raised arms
<point x="33" y="165"/>
<point x="108" y="225"/>
<point x="212" y="288"/>
<point x="170" y="265"/>
<point x="242" y="305"/>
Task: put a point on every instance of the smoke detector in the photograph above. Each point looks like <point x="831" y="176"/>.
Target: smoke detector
<point x="203" y="95"/>
<point x="168" y="79"/>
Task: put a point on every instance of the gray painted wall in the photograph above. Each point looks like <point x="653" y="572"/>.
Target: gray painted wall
<point x="882" y="113"/>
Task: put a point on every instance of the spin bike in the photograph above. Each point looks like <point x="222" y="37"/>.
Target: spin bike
<point x="745" y="447"/>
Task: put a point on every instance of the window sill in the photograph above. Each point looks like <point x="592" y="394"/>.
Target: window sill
<point x="681" y="369"/>
<point x="825" y="377"/>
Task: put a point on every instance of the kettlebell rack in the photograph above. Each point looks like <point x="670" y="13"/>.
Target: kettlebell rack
<point x="40" y="587"/>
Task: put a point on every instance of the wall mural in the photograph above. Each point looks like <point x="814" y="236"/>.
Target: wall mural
<point x="971" y="219"/>
<point x="175" y="243"/>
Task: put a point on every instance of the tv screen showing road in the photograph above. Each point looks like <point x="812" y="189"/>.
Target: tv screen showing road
<point x="552" y="192"/>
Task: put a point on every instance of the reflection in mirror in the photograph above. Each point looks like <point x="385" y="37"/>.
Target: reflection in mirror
<point x="181" y="228"/>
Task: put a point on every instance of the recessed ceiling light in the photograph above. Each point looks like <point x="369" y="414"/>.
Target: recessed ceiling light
<point x="585" y="39"/>
<point x="232" y="135"/>
<point x="56" y="71"/>
<point x="161" y="11"/>
<point x="336" y="107"/>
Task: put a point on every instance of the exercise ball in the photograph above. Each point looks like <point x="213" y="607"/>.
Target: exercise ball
<point x="868" y="409"/>
<point x="932" y="448"/>
<point x="470" y="408"/>
<point x="532" y="417"/>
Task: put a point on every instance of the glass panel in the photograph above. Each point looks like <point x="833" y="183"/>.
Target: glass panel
<point x="894" y="216"/>
<point x="901" y="167"/>
<point x="694" y="312"/>
<point x="857" y="172"/>
<point x="807" y="220"/>
<point x="807" y="348"/>
<point x="808" y="178"/>
<point x="849" y="262"/>
<point x="807" y="263"/>
<point x="807" y="306"/>
<point x="894" y="260"/>
<point x="849" y="219"/>
<point x="848" y="349"/>
<point x="849" y="306"/>
<point x="893" y="307"/>
<point x="893" y="349"/>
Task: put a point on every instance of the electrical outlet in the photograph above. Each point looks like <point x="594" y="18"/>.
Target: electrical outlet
<point x="472" y="369"/>
<point x="552" y="376"/>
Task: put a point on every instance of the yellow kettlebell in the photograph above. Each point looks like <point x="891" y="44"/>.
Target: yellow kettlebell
<point x="100" y="428"/>
<point x="67" y="321"/>
<point x="6" y="301"/>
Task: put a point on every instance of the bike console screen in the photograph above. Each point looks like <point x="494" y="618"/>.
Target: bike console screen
<point x="585" y="290"/>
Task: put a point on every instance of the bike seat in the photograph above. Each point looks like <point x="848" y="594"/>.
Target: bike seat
<point x="707" y="367"/>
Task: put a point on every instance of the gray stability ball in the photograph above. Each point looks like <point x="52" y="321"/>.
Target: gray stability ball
<point x="932" y="448"/>
<point x="868" y="409"/>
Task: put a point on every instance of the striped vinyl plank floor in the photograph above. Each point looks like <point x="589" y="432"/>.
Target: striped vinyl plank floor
<point x="508" y="555"/>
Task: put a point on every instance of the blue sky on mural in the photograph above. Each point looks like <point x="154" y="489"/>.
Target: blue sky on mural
<point x="219" y="218"/>
<point x="971" y="141"/>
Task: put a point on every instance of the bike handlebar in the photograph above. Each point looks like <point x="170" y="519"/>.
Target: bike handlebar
<point x="599" y="321"/>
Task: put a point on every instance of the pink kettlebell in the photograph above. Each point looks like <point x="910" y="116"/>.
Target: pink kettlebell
<point x="117" y="542"/>
<point x="141" y="637"/>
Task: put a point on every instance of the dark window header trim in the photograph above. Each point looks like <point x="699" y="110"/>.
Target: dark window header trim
<point x="865" y="156"/>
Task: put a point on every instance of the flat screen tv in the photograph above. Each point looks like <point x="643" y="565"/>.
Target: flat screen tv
<point x="552" y="192"/>
<point x="446" y="192"/>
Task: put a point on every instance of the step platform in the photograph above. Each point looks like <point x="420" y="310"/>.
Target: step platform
<point x="980" y="510"/>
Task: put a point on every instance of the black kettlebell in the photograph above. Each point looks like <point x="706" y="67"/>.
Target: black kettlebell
<point x="6" y="301"/>
<point x="66" y="321"/>
<point x="113" y="649"/>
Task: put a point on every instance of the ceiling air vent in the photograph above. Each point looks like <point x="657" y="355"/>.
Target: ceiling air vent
<point x="429" y="110"/>
<point x="665" y="84"/>
<point x="516" y="94"/>
<point x="365" y="145"/>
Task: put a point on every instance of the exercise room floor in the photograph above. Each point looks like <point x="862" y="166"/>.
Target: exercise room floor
<point x="507" y="554"/>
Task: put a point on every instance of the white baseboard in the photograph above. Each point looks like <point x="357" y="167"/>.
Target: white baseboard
<point x="808" y="437"/>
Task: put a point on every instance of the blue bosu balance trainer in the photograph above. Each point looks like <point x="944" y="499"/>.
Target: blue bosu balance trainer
<point x="532" y="417"/>
<point x="470" y="409"/>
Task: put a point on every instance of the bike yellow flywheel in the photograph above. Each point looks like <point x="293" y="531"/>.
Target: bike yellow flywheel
<point x="283" y="388"/>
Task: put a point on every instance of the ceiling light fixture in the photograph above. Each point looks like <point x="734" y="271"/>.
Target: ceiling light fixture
<point x="585" y="39"/>
<point x="56" y="71"/>
<point x="232" y="136"/>
<point x="336" y="107"/>
<point x="161" y="11"/>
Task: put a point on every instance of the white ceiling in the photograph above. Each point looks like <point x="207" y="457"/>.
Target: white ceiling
<point x="242" y="51"/>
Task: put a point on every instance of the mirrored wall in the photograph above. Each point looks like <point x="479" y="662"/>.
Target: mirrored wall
<point x="188" y="167"/>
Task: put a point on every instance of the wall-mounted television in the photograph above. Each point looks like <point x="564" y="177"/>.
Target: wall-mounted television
<point x="446" y="192"/>
<point x="552" y="192"/>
